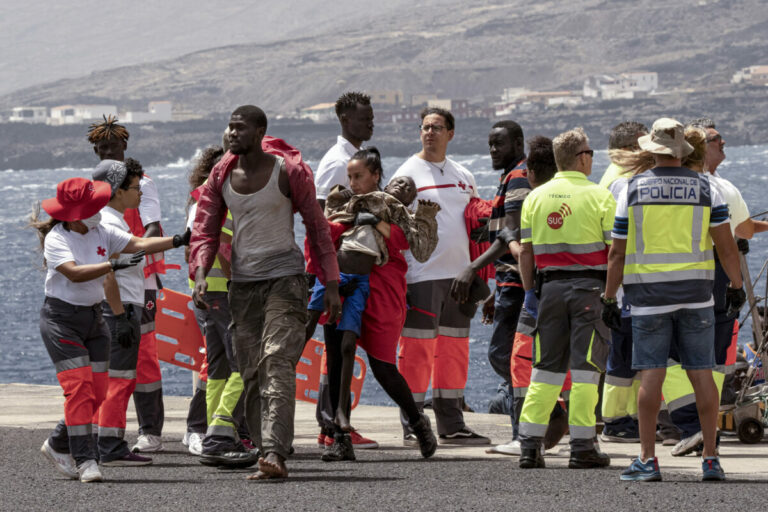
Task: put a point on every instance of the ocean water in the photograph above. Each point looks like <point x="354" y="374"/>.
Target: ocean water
<point x="23" y="357"/>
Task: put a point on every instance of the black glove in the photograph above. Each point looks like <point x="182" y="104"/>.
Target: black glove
<point x="734" y="299"/>
<point x="366" y="219"/>
<point x="507" y="235"/>
<point x="612" y="315"/>
<point x="124" y="330"/>
<point x="183" y="239"/>
<point x="126" y="260"/>
<point x="480" y="234"/>
<point x="743" y="245"/>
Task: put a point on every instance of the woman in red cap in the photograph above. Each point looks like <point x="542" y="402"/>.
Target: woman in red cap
<point x="77" y="249"/>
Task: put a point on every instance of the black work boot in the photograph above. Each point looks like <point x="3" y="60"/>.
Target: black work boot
<point x="423" y="432"/>
<point x="531" y="458"/>
<point x="232" y="460"/>
<point x="588" y="459"/>
<point x="341" y="449"/>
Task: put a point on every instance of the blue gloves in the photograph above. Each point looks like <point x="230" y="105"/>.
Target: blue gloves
<point x="531" y="303"/>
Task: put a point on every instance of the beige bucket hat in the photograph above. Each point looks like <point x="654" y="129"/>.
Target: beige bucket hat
<point x="667" y="137"/>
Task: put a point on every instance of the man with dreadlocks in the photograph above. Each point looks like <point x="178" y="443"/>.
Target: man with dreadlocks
<point x="110" y="140"/>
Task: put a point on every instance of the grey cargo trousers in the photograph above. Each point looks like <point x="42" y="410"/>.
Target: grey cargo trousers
<point x="268" y="319"/>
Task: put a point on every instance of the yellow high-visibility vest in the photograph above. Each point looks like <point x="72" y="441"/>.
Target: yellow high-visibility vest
<point x="669" y="256"/>
<point x="568" y="221"/>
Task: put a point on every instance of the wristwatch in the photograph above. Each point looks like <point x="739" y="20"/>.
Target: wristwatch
<point x="607" y="301"/>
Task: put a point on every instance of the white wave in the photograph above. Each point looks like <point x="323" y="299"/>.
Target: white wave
<point x="181" y="163"/>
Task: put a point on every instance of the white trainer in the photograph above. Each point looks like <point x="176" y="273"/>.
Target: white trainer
<point x="89" y="472"/>
<point x="195" y="443"/>
<point x="185" y="439"/>
<point x="64" y="462"/>
<point x="510" y="448"/>
<point x="148" y="443"/>
<point x="687" y="445"/>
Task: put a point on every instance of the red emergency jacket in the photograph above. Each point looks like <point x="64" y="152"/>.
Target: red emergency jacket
<point x="212" y="211"/>
<point x="154" y="263"/>
<point x="475" y="210"/>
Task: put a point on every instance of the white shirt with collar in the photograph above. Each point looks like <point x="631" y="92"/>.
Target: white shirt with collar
<point x="332" y="169"/>
<point x="450" y="185"/>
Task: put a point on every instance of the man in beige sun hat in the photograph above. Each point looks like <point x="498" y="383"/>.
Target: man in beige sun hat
<point x="667" y="220"/>
<point x="667" y="137"/>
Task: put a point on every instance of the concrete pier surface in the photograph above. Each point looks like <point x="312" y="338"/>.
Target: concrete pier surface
<point x="389" y="478"/>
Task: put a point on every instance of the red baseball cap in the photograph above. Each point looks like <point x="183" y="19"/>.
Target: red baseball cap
<point x="77" y="199"/>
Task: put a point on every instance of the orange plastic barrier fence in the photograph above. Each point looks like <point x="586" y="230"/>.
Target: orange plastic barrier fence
<point x="180" y="342"/>
<point x="308" y="374"/>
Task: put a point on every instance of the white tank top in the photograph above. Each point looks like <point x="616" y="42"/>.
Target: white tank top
<point x="263" y="245"/>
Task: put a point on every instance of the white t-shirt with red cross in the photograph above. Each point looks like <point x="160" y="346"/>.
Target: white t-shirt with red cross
<point x="450" y="185"/>
<point x="95" y="246"/>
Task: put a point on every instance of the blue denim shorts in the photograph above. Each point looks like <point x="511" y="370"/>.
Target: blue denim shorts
<point x="691" y="331"/>
<point x="354" y="304"/>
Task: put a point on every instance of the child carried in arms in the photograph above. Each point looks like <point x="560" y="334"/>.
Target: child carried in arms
<point x="361" y="247"/>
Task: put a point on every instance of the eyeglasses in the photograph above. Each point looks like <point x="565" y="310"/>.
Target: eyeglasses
<point x="432" y="127"/>
<point x="715" y="138"/>
<point x="590" y="152"/>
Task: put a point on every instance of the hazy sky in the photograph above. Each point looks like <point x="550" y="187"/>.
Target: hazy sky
<point x="46" y="40"/>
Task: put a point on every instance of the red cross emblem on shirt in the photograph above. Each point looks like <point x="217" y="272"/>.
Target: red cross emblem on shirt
<point x="150" y="305"/>
<point x="462" y="185"/>
<point x="101" y="251"/>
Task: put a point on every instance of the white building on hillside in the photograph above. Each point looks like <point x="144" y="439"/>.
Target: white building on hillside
<point x="78" y="114"/>
<point x="512" y="94"/>
<point x="322" y="112"/>
<point x="753" y="75"/>
<point x="158" y="111"/>
<point x="28" y="115"/>
<point x="621" y="86"/>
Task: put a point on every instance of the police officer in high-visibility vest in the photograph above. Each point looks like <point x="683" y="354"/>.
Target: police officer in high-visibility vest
<point x="565" y="228"/>
<point x="666" y="221"/>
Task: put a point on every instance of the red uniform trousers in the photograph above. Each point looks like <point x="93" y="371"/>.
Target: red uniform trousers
<point x="434" y="345"/>
<point x="77" y="340"/>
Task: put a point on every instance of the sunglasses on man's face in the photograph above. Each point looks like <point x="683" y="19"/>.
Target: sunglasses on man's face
<point x="715" y="138"/>
<point x="590" y="152"/>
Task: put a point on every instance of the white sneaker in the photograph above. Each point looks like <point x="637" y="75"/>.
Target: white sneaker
<point x="195" y="443"/>
<point x="148" y="443"/>
<point x="510" y="448"/>
<point x="185" y="439"/>
<point x="89" y="472"/>
<point x="64" y="462"/>
<point x="687" y="445"/>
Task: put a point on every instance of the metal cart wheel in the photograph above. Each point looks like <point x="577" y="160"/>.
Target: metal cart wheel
<point x="750" y="431"/>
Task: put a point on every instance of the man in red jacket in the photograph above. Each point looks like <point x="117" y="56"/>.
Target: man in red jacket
<point x="263" y="181"/>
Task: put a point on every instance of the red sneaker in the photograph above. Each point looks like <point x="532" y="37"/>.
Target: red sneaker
<point x="362" y="443"/>
<point x="324" y="440"/>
